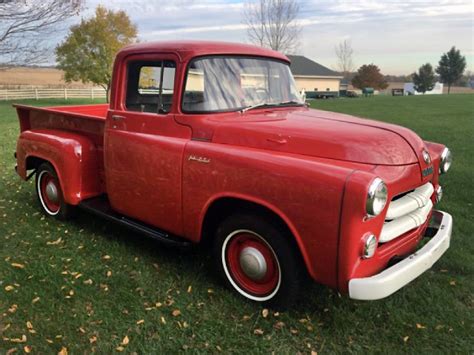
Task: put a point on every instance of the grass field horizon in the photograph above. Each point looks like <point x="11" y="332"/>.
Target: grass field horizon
<point x="87" y="285"/>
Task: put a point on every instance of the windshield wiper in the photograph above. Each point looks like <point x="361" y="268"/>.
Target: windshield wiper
<point x="251" y="107"/>
<point x="292" y="102"/>
<point x="265" y="104"/>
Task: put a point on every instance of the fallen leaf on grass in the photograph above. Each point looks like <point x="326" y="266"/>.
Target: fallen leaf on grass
<point x="125" y="340"/>
<point x="29" y="325"/>
<point x="27" y="349"/>
<point x="87" y="282"/>
<point x="63" y="351"/>
<point x="405" y="339"/>
<point x="120" y="348"/>
<point x="11" y="351"/>
<point x="258" y="332"/>
<point x="19" y="340"/>
<point x="452" y="283"/>
<point x="92" y="339"/>
<point x="420" y="326"/>
<point x="106" y="257"/>
<point x="190" y="288"/>
<point x="36" y="299"/>
<point x="55" y="242"/>
<point x="314" y="352"/>
<point x="265" y="313"/>
<point x="141" y="321"/>
<point x="9" y="288"/>
<point x="13" y="308"/>
<point x="109" y="273"/>
<point x="176" y="313"/>
<point x="18" y="266"/>
<point x="279" y="325"/>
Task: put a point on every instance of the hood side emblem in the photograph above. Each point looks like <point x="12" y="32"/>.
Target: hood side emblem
<point x="199" y="159"/>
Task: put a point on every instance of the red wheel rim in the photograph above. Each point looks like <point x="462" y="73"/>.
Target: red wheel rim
<point x="51" y="205"/>
<point x="268" y="279"/>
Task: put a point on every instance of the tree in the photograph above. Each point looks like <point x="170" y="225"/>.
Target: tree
<point x="272" y="24"/>
<point x="26" y="25"/>
<point x="424" y="80"/>
<point x="369" y="76"/>
<point x="344" y="53"/>
<point x="88" y="52"/>
<point x="451" y="66"/>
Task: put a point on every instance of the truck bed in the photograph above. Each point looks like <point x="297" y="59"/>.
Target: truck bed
<point x="88" y="120"/>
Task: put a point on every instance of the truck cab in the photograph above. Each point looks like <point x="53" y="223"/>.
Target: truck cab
<point x="210" y="142"/>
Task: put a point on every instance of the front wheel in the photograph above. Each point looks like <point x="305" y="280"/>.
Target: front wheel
<point x="257" y="259"/>
<point x="50" y="194"/>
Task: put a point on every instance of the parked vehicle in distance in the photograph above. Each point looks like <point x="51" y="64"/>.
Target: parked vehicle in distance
<point x="210" y="142"/>
<point x="352" y="93"/>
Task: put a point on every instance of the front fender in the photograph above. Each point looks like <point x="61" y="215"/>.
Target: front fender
<point x="73" y="156"/>
<point x="306" y="193"/>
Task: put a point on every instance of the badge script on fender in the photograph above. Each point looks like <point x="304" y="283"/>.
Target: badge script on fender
<point x="199" y="159"/>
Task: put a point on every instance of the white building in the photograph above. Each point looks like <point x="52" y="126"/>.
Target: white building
<point x="409" y="89"/>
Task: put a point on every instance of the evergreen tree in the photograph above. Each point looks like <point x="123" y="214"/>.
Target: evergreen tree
<point x="424" y="80"/>
<point x="451" y="66"/>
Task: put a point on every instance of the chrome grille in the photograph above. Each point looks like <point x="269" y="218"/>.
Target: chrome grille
<point x="407" y="212"/>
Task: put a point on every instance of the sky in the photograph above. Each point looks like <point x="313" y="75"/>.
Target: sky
<point x="398" y="36"/>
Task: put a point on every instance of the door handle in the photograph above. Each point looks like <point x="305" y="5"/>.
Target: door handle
<point x="117" y="118"/>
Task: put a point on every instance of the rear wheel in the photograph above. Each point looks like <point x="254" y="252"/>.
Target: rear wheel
<point x="50" y="194"/>
<point x="257" y="259"/>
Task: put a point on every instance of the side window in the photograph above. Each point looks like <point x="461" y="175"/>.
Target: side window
<point x="150" y="86"/>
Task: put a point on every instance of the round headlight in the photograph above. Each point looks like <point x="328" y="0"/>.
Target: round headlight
<point x="370" y="244"/>
<point x="446" y="160"/>
<point x="376" y="197"/>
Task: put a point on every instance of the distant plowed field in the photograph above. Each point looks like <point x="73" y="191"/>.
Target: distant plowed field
<point x="23" y="76"/>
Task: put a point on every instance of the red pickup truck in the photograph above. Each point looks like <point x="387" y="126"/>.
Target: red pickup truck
<point x="207" y="142"/>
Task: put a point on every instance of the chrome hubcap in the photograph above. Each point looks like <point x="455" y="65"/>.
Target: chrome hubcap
<point x="52" y="192"/>
<point x="253" y="263"/>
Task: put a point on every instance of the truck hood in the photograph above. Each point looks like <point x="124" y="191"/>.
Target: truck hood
<point x="321" y="134"/>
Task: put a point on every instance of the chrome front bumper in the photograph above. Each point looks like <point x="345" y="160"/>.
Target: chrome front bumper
<point x="395" y="277"/>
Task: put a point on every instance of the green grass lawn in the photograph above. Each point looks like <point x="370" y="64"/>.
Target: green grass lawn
<point x="85" y="285"/>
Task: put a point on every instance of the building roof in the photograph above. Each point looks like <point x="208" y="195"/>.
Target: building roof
<point x="300" y="65"/>
<point x="190" y="49"/>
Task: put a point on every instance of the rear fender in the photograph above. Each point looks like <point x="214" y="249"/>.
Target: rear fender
<point x="74" y="157"/>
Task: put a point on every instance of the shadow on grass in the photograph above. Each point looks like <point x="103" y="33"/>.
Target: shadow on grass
<point x="198" y="261"/>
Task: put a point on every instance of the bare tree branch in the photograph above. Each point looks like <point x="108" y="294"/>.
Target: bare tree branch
<point x="344" y="54"/>
<point x="25" y="26"/>
<point x="273" y="24"/>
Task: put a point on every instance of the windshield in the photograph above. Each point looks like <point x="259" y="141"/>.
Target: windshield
<point x="219" y="84"/>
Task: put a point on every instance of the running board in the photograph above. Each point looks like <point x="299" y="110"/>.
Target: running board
<point x="100" y="206"/>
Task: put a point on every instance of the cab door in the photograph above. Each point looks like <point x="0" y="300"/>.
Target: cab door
<point x="144" y="145"/>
